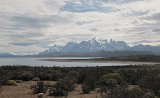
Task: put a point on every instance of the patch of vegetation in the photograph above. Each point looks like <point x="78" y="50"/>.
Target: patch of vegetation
<point x="137" y="58"/>
<point x="39" y="87"/>
<point x="112" y="81"/>
<point x="0" y="89"/>
<point x="36" y="79"/>
<point x="89" y="84"/>
<point x="62" y="87"/>
<point x="18" y="81"/>
<point x="11" y="83"/>
<point x="86" y="89"/>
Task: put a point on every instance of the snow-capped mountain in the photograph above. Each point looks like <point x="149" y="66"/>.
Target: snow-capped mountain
<point x="94" y="45"/>
<point x="88" y="46"/>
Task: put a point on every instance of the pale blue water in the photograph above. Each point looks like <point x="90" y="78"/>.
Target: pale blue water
<point x="37" y="62"/>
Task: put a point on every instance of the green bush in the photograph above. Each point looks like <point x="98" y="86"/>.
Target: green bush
<point x="11" y="82"/>
<point x="39" y="87"/>
<point x="26" y="76"/>
<point x="36" y="79"/>
<point x="56" y="75"/>
<point x="116" y="76"/>
<point x="149" y="95"/>
<point x="135" y="92"/>
<point x="57" y="91"/>
<point x="73" y="75"/>
<point x="81" y="76"/>
<point x="89" y="84"/>
<point x="18" y="81"/>
<point x="62" y="87"/>
<point x="111" y="84"/>
<point x="67" y="84"/>
<point x="86" y="89"/>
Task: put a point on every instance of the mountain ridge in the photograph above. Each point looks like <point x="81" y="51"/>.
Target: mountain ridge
<point x="93" y="48"/>
<point x="94" y="45"/>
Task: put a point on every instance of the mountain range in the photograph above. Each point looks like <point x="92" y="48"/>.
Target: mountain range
<point x="95" y="47"/>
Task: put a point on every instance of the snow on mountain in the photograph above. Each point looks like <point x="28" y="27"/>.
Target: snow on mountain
<point x="94" y="45"/>
<point x="88" y="46"/>
<point x="52" y="50"/>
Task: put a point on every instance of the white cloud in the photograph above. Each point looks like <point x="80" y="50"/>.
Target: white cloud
<point x="38" y="24"/>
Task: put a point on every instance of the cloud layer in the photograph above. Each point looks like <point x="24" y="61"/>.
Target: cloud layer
<point x="32" y="26"/>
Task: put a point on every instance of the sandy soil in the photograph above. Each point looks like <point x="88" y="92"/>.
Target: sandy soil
<point x="23" y="91"/>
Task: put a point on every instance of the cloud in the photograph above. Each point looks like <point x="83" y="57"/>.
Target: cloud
<point x="95" y="5"/>
<point x="23" y="21"/>
<point x="155" y="16"/>
<point x="120" y="1"/>
<point x="24" y="43"/>
<point x="27" y="35"/>
<point x="145" y="42"/>
<point x="87" y="6"/>
<point x="82" y="7"/>
<point x="156" y="30"/>
<point x="39" y="24"/>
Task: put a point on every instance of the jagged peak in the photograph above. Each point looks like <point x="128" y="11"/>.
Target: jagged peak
<point x="95" y="44"/>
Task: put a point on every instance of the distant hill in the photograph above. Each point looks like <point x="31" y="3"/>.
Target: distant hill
<point x="136" y="58"/>
<point x="101" y="54"/>
<point x="7" y="55"/>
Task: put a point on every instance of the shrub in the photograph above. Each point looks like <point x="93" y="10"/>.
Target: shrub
<point x="43" y="76"/>
<point x="158" y="93"/>
<point x="86" y="89"/>
<point x="18" y="81"/>
<point x="62" y="87"/>
<point x="81" y="76"/>
<point x="0" y="89"/>
<point x="39" y="87"/>
<point x="36" y="79"/>
<point x="116" y="76"/>
<point x="67" y="84"/>
<point x="135" y="92"/>
<point x="88" y="84"/>
<point x="56" y="75"/>
<point x="73" y="75"/>
<point x="112" y="84"/>
<point x="149" y="95"/>
<point x="26" y="76"/>
<point x="47" y="84"/>
<point x="57" y="91"/>
<point x="11" y="82"/>
<point x="3" y="82"/>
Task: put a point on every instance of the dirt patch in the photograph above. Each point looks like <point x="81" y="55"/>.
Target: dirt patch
<point x="23" y="90"/>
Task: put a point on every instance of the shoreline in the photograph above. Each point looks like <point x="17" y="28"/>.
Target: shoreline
<point x="74" y="62"/>
<point x="99" y="61"/>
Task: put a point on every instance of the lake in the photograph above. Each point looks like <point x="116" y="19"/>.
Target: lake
<point x="40" y="62"/>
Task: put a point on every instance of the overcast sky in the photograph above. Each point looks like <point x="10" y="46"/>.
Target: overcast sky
<point x="35" y="25"/>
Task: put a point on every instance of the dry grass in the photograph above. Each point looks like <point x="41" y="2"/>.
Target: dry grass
<point x="23" y="91"/>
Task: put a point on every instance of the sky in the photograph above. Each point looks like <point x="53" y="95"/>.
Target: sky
<point x="31" y="26"/>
